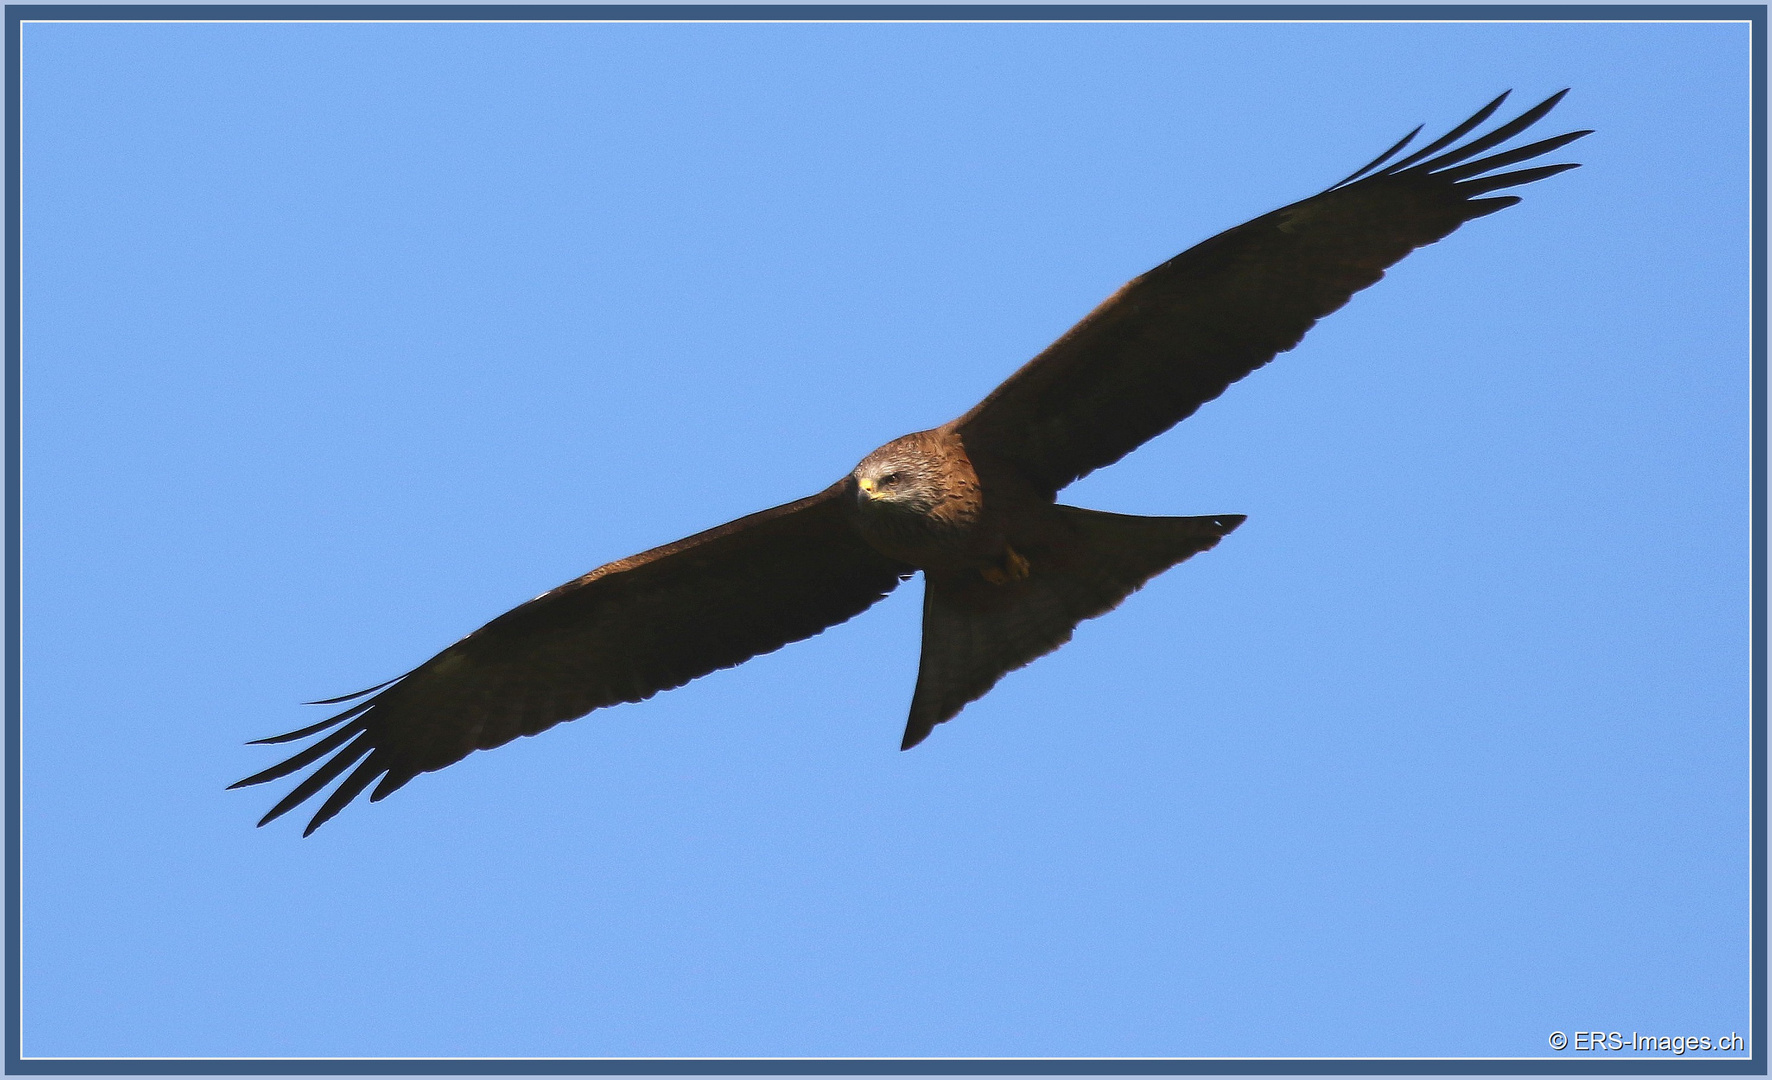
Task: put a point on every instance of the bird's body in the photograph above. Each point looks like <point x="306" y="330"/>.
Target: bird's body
<point x="1009" y="572"/>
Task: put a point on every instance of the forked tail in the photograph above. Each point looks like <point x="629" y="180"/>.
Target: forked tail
<point x="975" y="632"/>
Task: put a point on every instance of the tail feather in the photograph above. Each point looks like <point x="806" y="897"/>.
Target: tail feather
<point x="974" y="633"/>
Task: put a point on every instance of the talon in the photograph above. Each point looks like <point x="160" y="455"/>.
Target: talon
<point x="1014" y="568"/>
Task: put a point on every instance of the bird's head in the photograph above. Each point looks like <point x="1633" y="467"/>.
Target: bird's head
<point x="900" y="476"/>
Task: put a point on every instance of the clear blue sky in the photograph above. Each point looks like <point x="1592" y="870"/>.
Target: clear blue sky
<point x="342" y="339"/>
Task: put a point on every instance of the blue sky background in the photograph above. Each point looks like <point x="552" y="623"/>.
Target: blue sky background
<point x="342" y="339"/>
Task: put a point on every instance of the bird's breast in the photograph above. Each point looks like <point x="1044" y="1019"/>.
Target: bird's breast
<point x="951" y="532"/>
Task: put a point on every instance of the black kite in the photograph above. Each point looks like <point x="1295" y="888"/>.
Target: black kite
<point x="1008" y="572"/>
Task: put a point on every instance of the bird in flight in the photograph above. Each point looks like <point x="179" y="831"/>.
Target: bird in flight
<point x="1008" y="571"/>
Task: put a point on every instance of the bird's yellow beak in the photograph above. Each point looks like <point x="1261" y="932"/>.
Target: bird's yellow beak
<point x="867" y="487"/>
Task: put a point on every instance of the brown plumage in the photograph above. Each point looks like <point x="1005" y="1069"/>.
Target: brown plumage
<point x="1008" y="572"/>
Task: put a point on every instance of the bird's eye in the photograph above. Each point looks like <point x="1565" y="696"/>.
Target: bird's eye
<point x="889" y="479"/>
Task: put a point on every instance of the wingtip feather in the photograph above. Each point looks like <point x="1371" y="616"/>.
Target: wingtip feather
<point x="298" y="761"/>
<point x="1377" y="161"/>
<point x="318" y="779"/>
<point x="1496" y="137"/>
<point x="1450" y="137"/>
<point x="1477" y="208"/>
<point x="392" y="782"/>
<point x="357" y="694"/>
<point x="342" y="796"/>
<point x="1516" y="178"/>
<point x="1510" y="157"/>
<point x="313" y="729"/>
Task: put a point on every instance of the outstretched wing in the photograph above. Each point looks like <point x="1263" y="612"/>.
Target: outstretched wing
<point x="1173" y="339"/>
<point x="623" y="632"/>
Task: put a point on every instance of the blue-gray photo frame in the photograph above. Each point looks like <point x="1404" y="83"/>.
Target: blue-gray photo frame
<point x="23" y="1054"/>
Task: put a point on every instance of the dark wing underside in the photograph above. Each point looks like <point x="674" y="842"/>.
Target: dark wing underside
<point x="623" y="632"/>
<point x="1176" y="337"/>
